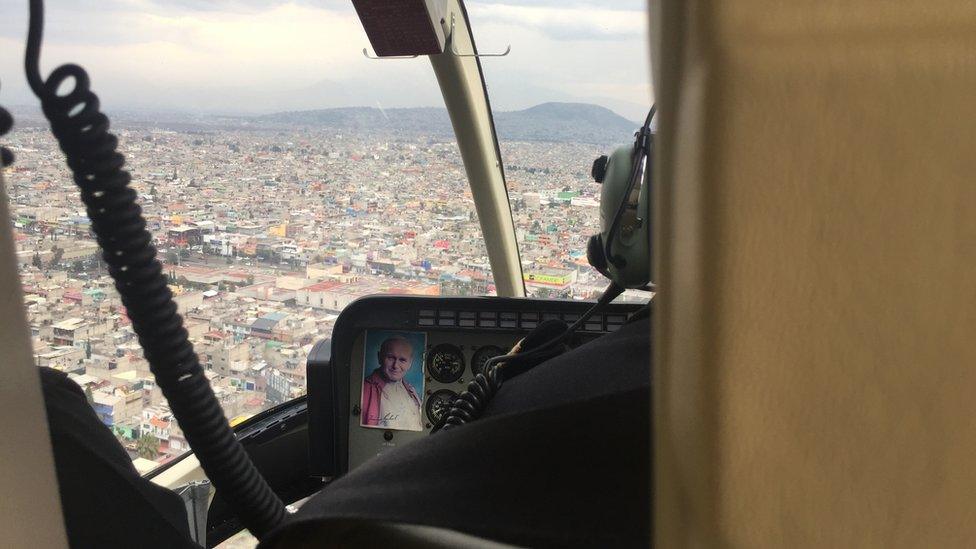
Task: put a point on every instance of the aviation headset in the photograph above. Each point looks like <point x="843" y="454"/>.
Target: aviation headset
<point x="622" y="249"/>
<point x="621" y="252"/>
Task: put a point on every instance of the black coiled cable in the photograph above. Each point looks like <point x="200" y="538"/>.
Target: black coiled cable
<point x="471" y="403"/>
<point x="82" y="132"/>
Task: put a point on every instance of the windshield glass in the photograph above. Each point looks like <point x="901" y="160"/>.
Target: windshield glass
<point x="576" y="86"/>
<point x="277" y="194"/>
<point x="284" y="175"/>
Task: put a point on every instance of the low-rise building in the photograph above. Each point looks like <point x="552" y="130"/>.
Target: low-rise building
<point x="70" y="331"/>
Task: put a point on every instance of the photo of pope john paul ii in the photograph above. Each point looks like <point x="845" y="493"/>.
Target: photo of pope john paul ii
<point x="393" y="380"/>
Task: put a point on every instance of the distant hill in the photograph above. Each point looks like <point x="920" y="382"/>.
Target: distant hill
<point x="577" y="122"/>
<point x="365" y="119"/>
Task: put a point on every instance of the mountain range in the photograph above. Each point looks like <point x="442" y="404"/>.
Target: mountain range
<point x="547" y="122"/>
<point x="577" y="122"/>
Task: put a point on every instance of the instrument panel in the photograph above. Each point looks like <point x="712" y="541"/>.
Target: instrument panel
<point x="446" y="372"/>
<point x="395" y="363"/>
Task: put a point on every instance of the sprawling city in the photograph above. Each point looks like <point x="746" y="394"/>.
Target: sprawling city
<point x="266" y="234"/>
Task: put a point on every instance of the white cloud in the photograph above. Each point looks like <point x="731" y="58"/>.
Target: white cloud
<point x="559" y="64"/>
<point x="565" y="23"/>
<point x="264" y="55"/>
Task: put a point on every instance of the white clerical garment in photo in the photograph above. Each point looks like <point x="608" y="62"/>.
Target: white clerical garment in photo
<point x="398" y="410"/>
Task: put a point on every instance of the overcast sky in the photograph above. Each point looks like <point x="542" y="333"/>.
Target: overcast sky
<point x="256" y="56"/>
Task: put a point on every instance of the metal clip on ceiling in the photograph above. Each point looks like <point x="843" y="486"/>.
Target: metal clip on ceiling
<point x="368" y="56"/>
<point x="454" y="51"/>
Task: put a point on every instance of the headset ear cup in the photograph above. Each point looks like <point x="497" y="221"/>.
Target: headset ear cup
<point x="596" y="256"/>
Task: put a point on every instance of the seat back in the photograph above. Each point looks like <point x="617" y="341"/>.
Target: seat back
<point x="815" y="337"/>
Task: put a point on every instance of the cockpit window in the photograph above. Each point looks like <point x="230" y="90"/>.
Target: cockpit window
<point x="575" y="86"/>
<point x="283" y="175"/>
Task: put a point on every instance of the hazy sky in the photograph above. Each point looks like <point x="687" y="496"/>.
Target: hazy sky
<point x="252" y="56"/>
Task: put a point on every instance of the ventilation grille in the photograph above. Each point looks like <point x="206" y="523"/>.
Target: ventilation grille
<point x="513" y="320"/>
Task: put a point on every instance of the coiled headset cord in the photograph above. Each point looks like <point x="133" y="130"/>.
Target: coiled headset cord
<point x="546" y="341"/>
<point x="82" y="132"/>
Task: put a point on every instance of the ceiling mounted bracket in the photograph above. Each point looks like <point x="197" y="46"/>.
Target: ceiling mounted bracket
<point x="456" y="53"/>
<point x="368" y="56"/>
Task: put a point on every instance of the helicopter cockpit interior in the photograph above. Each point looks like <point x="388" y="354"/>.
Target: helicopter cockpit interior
<point x="397" y="369"/>
<point x="789" y="221"/>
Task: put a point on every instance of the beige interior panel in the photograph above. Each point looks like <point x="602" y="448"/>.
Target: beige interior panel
<point x="30" y="507"/>
<point x="816" y="256"/>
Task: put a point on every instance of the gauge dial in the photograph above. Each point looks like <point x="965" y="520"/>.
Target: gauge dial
<point x="445" y="363"/>
<point x="482" y="356"/>
<point x="438" y="404"/>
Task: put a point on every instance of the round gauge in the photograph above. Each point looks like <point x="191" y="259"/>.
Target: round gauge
<point x="482" y="356"/>
<point x="438" y="404"/>
<point x="445" y="363"/>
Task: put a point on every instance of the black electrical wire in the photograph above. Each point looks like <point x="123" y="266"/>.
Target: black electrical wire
<point x="471" y="403"/>
<point x="530" y="355"/>
<point x="82" y="132"/>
